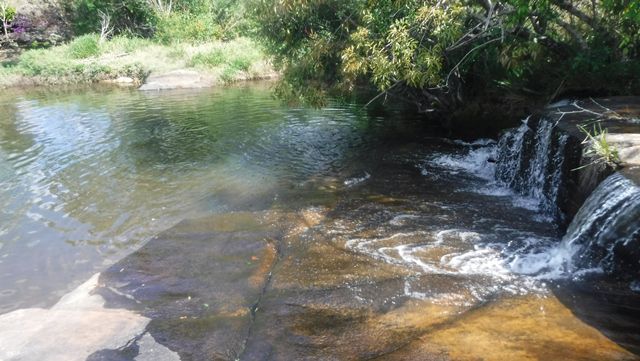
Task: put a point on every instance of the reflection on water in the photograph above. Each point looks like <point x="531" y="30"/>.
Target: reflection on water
<point x="88" y="175"/>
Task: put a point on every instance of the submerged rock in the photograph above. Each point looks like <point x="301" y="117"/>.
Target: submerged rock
<point x="274" y="285"/>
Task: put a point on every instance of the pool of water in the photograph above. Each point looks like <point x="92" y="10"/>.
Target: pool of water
<point x="285" y="231"/>
<point x="88" y="175"/>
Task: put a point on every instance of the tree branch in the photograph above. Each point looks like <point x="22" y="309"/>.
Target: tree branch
<point x="571" y="9"/>
<point x="574" y="33"/>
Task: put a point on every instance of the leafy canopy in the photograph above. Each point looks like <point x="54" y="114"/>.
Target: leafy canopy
<point x="439" y="53"/>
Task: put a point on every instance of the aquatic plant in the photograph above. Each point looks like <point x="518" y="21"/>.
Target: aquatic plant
<point x="597" y="149"/>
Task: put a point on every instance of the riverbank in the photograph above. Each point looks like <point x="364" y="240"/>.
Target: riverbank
<point x="130" y="61"/>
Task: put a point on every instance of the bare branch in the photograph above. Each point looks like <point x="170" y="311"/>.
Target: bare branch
<point x="105" y="26"/>
<point x="381" y="94"/>
<point x="4" y="6"/>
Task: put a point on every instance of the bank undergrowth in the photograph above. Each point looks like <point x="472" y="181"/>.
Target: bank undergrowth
<point x="125" y="41"/>
<point x="130" y="60"/>
<point x="477" y="58"/>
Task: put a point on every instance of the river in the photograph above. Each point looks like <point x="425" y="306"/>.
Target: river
<point x="280" y="232"/>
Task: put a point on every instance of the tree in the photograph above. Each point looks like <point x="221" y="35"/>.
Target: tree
<point x="7" y="14"/>
<point x="442" y="55"/>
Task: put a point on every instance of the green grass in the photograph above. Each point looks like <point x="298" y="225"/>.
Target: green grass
<point x="597" y="148"/>
<point x="124" y="44"/>
<point x="233" y="60"/>
<point x="86" y="59"/>
<point x="84" y="46"/>
<point x="212" y="58"/>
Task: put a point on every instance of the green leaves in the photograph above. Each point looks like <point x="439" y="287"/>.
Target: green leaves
<point x="504" y="46"/>
<point x="128" y="16"/>
<point x="598" y="149"/>
<point x="84" y="46"/>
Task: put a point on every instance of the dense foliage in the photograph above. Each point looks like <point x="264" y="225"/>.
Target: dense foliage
<point x="166" y="20"/>
<point x="126" y="16"/>
<point x="442" y="54"/>
<point x="202" y="20"/>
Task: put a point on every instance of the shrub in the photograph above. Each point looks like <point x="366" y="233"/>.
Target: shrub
<point x="134" y="17"/>
<point x="85" y="46"/>
<point x="187" y="27"/>
<point x="229" y="74"/>
<point x="441" y="55"/>
<point x="203" y="20"/>
<point x="212" y="58"/>
<point x="242" y="63"/>
<point x="42" y="62"/>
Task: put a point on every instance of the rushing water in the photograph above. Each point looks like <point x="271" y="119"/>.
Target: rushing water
<point x="603" y="237"/>
<point x="392" y="214"/>
<point x="530" y="161"/>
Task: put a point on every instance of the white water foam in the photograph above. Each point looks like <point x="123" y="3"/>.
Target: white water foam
<point x="475" y="161"/>
<point x="481" y="142"/>
<point x="357" y="180"/>
<point x="546" y="263"/>
<point x="401" y="219"/>
<point x="608" y="219"/>
<point x="478" y="162"/>
<point x="530" y="161"/>
<point x="451" y="252"/>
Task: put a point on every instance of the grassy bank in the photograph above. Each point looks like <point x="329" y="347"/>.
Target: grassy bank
<point x="86" y="59"/>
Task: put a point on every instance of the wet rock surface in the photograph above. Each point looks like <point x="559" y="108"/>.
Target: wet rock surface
<point x="68" y="331"/>
<point x="199" y="283"/>
<point x="394" y="270"/>
<point x="619" y="116"/>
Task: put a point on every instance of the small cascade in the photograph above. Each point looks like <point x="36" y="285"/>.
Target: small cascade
<point x="530" y="161"/>
<point x="605" y="232"/>
<point x="604" y="237"/>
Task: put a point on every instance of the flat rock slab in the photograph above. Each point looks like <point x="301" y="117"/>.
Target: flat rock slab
<point x="199" y="282"/>
<point x="628" y="147"/>
<point x="275" y="285"/>
<point x="77" y="326"/>
<point x="179" y="79"/>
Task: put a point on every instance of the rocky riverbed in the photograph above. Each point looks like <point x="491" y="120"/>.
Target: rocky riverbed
<point x="410" y="250"/>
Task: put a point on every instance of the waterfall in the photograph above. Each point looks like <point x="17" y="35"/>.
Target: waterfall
<point x="605" y="232"/>
<point x="604" y="235"/>
<point x="530" y="161"/>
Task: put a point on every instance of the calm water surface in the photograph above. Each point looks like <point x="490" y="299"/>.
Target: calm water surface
<point x="88" y="175"/>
